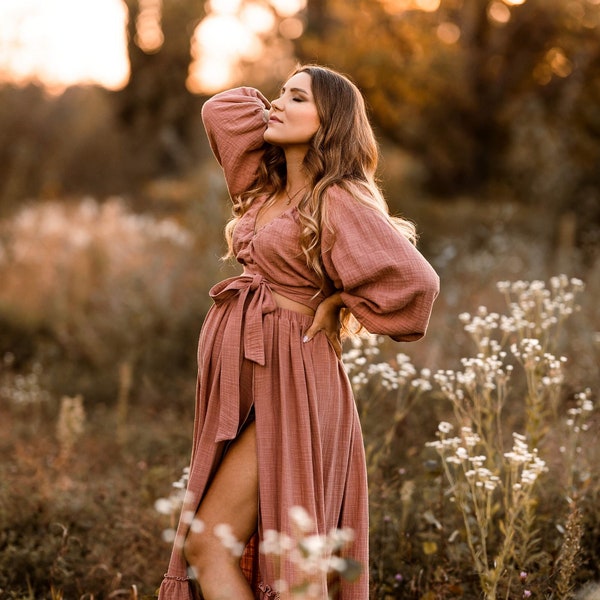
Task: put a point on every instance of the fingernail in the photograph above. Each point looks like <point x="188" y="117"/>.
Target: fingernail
<point x="305" y="339"/>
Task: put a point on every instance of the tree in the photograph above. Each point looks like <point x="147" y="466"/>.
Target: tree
<point x="449" y="85"/>
<point x="155" y="106"/>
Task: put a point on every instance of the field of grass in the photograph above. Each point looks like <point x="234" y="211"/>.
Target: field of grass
<point x="481" y="438"/>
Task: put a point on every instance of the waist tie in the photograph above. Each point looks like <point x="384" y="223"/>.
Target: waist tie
<point x="244" y="332"/>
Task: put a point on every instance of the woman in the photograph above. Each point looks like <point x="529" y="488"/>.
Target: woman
<point x="276" y="424"/>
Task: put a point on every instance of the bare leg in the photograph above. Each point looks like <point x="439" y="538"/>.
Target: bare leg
<point x="232" y="498"/>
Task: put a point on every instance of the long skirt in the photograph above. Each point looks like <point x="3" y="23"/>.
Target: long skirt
<point x="309" y="447"/>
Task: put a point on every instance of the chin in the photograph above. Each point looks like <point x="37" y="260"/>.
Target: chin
<point x="271" y="139"/>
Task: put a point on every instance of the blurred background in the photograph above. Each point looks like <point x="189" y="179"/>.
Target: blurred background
<point x="112" y="210"/>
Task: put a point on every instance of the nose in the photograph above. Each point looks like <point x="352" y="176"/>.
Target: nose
<point x="275" y="104"/>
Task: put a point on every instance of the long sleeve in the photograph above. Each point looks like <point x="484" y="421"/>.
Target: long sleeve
<point x="235" y="122"/>
<point x="384" y="280"/>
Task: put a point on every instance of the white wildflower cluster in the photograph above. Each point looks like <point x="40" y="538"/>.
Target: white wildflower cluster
<point x="276" y="543"/>
<point x="473" y="463"/>
<point x="479" y="390"/>
<point x="362" y="368"/>
<point x="310" y="553"/>
<point x="578" y="414"/>
<point x="577" y="424"/>
<point x="548" y="368"/>
<point x="445" y="443"/>
<point x="536" y="309"/>
<point x="225" y="535"/>
<point x="22" y="389"/>
<point x="357" y="358"/>
<point x="525" y="463"/>
<point x="482" y="372"/>
<point x="448" y="381"/>
<point x="484" y="325"/>
<point x="481" y="325"/>
<point x="172" y="506"/>
<point x="481" y="477"/>
<point x="463" y="451"/>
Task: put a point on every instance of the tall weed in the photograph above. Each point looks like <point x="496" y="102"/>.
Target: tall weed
<point x="478" y="511"/>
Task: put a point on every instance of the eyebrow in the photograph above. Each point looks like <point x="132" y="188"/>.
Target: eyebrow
<point x="295" y="89"/>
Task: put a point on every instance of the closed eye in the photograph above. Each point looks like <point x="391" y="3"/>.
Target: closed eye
<point x="300" y="94"/>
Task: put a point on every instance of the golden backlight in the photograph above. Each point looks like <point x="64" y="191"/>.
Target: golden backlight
<point x="233" y="30"/>
<point x="64" y="42"/>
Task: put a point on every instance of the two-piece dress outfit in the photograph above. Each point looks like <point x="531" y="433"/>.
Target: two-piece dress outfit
<point x="253" y="361"/>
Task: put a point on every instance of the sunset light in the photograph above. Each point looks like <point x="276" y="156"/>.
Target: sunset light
<point x="143" y="333"/>
<point x="232" y="31"/>
<point x="66" y="42"/>
<point x="63" y="42"/>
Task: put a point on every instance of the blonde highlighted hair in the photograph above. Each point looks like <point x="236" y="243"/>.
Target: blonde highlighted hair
<point x="342" y="152"/>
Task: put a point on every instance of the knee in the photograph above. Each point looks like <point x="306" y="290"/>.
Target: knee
<point x="194" y="548"/>
<point x="203" y="550"/>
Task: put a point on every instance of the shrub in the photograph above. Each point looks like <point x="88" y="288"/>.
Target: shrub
<point x="94" y="286"/>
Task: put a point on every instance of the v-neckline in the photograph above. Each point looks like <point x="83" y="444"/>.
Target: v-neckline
<point x="256" y="230"/>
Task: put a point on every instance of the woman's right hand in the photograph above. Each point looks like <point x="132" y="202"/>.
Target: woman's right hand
<point x="327" y="320"/>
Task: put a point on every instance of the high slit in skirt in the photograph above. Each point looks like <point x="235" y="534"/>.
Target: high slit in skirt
<point x="309" y="443"/>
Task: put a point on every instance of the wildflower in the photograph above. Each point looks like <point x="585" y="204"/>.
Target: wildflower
<point x="461" y="454"/>
<point x="168" y="535"/>
<point x="187" y="516"/>
<point x="225" y="534"/>
<point x="478" y="461"/>
<point x="471" y="439"/>
<point x="445" y="427"/>
<point x="422" y="385"/>
<point x="163" y="506"/>
<point x="301" y="518"/>
<point x="314" y="545"/>
<point x="338" y="538"/>
<point x="197" y="526"/>
<point x="276" y="543"/>
<point x="338" y="564"/>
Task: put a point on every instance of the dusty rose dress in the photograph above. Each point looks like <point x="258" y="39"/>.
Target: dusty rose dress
<point x="251" y="354"/>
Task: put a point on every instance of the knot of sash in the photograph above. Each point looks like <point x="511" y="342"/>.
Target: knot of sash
<point x="245" y="339"/>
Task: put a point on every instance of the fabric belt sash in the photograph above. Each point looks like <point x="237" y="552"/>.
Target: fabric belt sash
<point x="245" y="339"/>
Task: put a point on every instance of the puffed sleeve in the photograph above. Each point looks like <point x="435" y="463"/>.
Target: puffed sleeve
<point x="235" y="121"/>
<point x="384" y="280"/>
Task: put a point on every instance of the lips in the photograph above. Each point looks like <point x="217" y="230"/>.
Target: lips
<point x="274" y="120"/>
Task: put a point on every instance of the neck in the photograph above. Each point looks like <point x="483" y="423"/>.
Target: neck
<point x="295" y="175"/>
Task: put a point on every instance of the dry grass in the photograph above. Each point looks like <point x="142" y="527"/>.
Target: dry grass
<point x="99" y="302"/>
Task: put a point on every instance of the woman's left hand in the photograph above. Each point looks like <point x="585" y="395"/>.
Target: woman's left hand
<point x="327" y="320"/>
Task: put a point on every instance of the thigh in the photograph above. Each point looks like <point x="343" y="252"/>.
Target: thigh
<point x="232" y="496"/>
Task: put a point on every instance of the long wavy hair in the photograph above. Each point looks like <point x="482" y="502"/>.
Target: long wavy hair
<point x="342" y="152"/>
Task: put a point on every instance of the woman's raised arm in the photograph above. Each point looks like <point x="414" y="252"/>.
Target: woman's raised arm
<point x="235" y="121"/>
